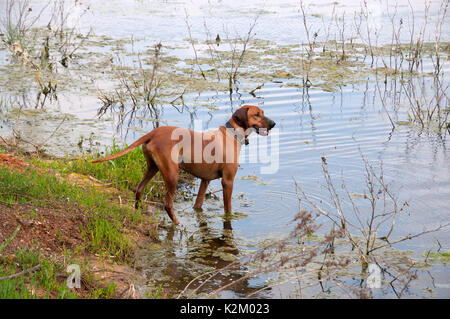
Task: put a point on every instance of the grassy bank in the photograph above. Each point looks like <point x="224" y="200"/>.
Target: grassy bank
<point x="58" y="212"/>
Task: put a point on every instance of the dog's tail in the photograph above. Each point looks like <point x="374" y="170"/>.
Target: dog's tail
<point x="140" y="141"/>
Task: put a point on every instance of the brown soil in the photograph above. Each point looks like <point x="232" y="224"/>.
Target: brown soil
<point x="47" y="228"/>
<point x="10" y="161"/>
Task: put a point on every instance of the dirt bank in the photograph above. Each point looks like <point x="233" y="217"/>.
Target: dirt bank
<point x="58" y="234"/>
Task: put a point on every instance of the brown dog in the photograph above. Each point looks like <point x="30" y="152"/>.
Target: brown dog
<point x="206" y="155"/>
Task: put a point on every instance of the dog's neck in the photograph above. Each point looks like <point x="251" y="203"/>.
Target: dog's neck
<point x="241" y="138"/>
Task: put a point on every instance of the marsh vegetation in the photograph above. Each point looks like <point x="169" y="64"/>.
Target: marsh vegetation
<point x="361" y="92"/>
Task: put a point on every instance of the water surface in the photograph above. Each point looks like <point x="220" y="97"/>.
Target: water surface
<point x="341" y="126"/>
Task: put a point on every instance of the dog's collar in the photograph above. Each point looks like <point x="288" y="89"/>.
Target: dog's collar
<point x="241" y="139"/>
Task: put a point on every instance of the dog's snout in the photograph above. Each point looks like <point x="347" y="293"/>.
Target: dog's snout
<point x="271" y="124"/>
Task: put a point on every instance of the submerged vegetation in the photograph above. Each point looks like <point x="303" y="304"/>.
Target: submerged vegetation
<point x="133" y="81"/>
<point x="347" y="257"/>
<point x="147" y="80"/>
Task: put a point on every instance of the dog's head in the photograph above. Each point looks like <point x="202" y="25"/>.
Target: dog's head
<point x="250" y="116"/>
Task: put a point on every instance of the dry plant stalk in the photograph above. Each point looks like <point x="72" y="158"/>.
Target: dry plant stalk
<point x="229" y="61"/>
<point x="69" y="39"/>
<point x="18" y="21"/>
<point x="369" y="227"/>
<point x="403" y="78"/>
<point x="39" y="49"/>
<point x="135" y="92"/>
<point x="380" y="217"/>
<point x="280" y="256"/>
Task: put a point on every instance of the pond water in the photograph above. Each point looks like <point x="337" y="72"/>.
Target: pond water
<point x="341" y="126"/>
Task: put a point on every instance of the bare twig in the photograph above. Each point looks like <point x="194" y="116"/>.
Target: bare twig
<point x="26" y="271"/>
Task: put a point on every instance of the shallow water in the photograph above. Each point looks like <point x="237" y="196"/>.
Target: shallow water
<point x="339" y="125"/>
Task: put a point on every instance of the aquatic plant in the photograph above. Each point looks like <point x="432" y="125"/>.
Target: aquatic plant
<point x="135" y="92"/>
<point x="228" y="61"/>
<point x="40" y="48"/>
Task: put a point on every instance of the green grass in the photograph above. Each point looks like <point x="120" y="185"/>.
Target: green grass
<point x="49" y="281"/>
<point x="44" y="279"/>
<point x="123" y="173"/>
<point x="44" y="184"/>
<point x="105" y="220"/>
<point x="103" y="233"/>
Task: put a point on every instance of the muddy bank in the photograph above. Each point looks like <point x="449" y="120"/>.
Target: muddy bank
<point x="57" y="233"/>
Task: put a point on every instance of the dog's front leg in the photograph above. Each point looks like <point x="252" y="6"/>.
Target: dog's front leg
<point x="227" y="186"/>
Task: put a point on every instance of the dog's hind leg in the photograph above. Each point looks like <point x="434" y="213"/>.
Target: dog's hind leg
<point x="171" y="181"/>
<point x="169" y="171"/>
<point x="152" y="169"/>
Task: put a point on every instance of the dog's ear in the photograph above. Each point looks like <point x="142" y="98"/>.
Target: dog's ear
<point x="241" y="117"/>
